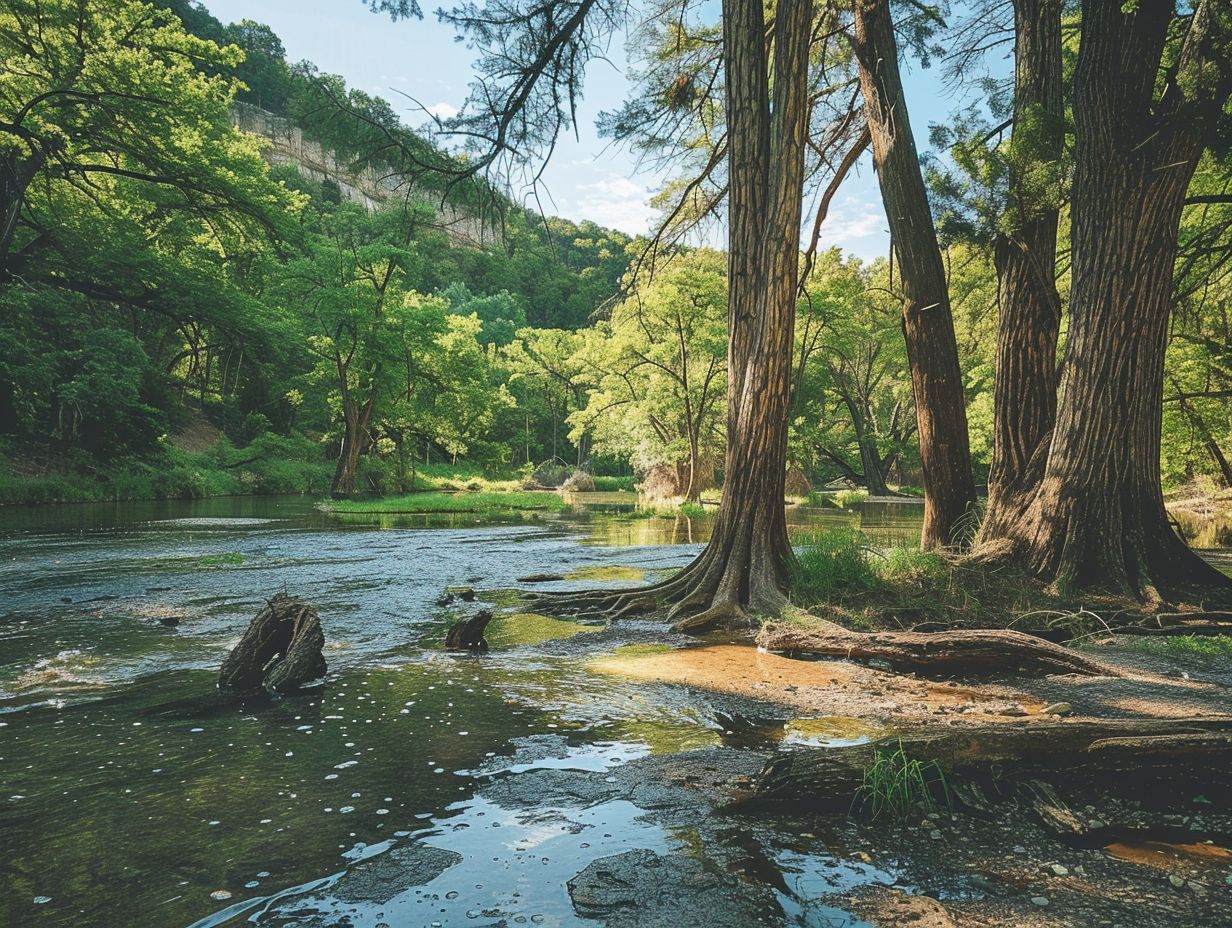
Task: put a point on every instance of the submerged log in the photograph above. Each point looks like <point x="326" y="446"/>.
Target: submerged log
<point x="1081" y="748"/>
<point x="467" y="635"/>
<point x="980" y="650"/>
<point x="280" y="652"/>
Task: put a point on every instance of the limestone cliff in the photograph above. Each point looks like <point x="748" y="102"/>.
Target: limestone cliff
<point x="370" y="187"/>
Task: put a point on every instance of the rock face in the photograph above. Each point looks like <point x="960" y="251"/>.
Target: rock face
<point x="370" y="186"/>
<point x="642" y="889"/>
<point x="280" y="652"/>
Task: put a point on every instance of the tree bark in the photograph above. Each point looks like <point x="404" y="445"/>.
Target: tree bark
<point x="280" y="651"/>
<point x="970" y="650"/>
<point x="356" y="420"/>
<point x="928" y="323"/>
<point x="1097" y="520"/>
<point x="1025" y="389"/>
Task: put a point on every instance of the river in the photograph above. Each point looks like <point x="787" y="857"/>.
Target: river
<point x="133" y="794"/>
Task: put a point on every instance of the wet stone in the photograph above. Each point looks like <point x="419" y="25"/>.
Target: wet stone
<point x="642" y="889"/>
<point x="380" y="878"/>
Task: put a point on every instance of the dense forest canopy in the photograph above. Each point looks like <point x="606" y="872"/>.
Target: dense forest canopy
<point x="182" y="318"/>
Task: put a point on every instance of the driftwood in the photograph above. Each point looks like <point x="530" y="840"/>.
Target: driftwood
<point x="999" y="650"/>
<point x="1082" y="748"/>
<point x="280" y="652"/>
<point x="467" y="635"/>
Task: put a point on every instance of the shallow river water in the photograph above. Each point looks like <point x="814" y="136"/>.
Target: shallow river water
<point x="414" y="787"/>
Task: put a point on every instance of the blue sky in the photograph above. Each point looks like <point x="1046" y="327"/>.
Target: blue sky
<point x="587" y="178"/>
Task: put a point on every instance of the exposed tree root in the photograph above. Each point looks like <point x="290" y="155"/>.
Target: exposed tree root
<point x="1082" y="748"/>
<point x="994" y="650"/>
<point x="701" y="595"/>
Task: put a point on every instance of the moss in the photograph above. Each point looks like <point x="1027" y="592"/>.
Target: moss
<point x="1205" y="646"/>
<point x="607" y="572"/>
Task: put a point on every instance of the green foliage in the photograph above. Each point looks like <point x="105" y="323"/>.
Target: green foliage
<point x="831" y="566"/>
<point x="895" y="785"/>
<point x="846" y="498"/>
<point x="614" y="484"/>
<point x="655" y="371"/>
<point x="511" y="501"/>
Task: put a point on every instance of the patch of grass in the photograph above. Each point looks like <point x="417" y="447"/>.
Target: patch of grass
<point x="832" y="566"/>
<point x="820" y="500"/>
<point x="692" y="510"/>
<point x="845" y="498"/>
<point x="1209" y="646"/>
<point x="614" y="484"/>
<point x="895" y="784"/>
<point x="478" y="502"/>
<point x="913" y="566"/>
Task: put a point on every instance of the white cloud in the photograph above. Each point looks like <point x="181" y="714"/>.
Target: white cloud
<point x="857" y="225"/>
<point x="442" y="110"/>
<point x="616" y="202"/>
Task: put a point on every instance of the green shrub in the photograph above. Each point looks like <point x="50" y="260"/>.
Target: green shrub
<point x="692" y="510"/>
<point x="820" y="500"/>
<point x="845" y="498"/>
<point x="614" y="484"/>
<point x="830" y="566"/>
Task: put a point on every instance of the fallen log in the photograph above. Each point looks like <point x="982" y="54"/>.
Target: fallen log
<point x="979" y="650"/>
<point x="1081" y="747"/>
<point x="280" y="652"/>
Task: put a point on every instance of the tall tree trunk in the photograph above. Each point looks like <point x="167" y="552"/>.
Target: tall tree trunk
<point x="1098" y="518"/>
<point x="1025" y="391"/>
<point x="870" y="461"/>
<point x="356" y="419"/>
<point x="928" y="323"/>
<point x="744" y="568"/>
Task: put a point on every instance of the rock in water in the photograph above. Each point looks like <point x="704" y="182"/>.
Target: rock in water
<point x="467" y="635"/>
<point x="280" y="652"/>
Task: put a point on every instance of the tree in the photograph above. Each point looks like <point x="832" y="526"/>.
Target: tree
<point x="852" y="410"/>
<point x="656" y="371"/>
<point x="353" y="276"/>
<point x="928" y="324"/>
<point x="92" y="91"/>
<point x="1150" y="90"/>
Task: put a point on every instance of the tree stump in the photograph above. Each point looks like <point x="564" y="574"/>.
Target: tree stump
<point x="280" y="652"/>
<point x="467" y="635"/>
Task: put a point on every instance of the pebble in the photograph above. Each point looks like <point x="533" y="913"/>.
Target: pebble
<point x="1058" y="708"/>
<point x="42" y="900"/>
<point x="1059" y="869"/>
<point x="1175" y="880"/>
<point x="1019" y="849"/>
<point x="219" y="895"/>
<point x="1041" y="901"/>
<point x="935" y="834"/>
